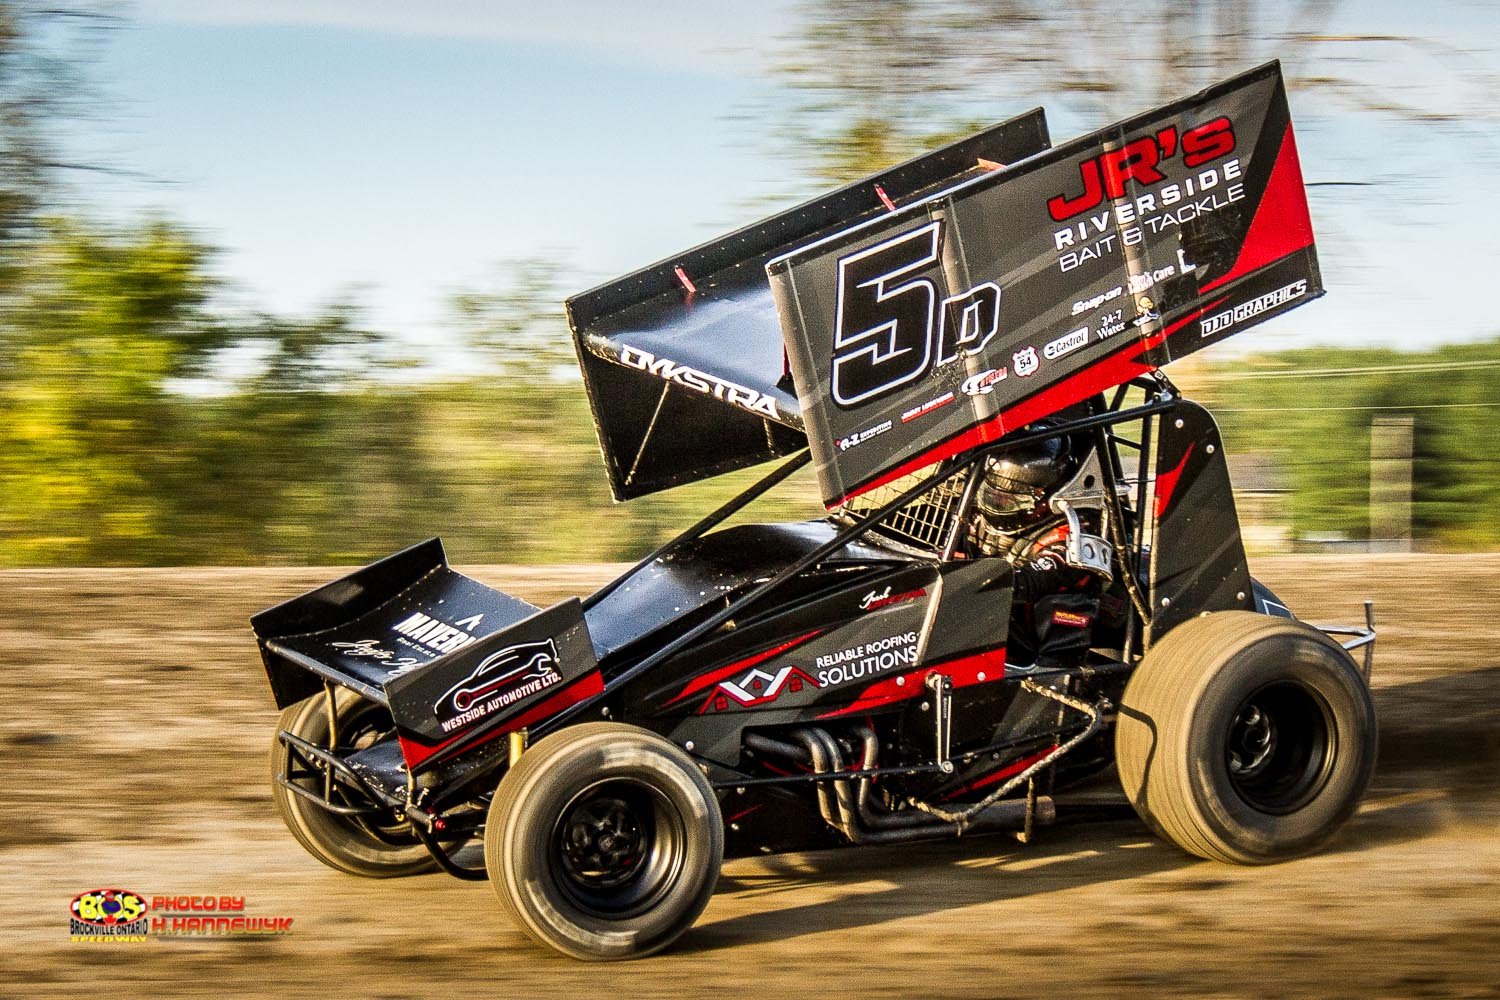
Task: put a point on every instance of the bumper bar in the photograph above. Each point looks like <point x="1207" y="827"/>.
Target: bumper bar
<point x="1352" y="637"/>
<point x="308" y="761"/>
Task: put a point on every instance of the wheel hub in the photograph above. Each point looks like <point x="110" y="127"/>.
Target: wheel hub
<point x="1252" y="741"/>
<point x="618" y="847"/>
<point x="605" y="842"/>
<point x="1279" y="747"/>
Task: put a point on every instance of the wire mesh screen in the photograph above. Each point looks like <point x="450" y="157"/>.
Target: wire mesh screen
<point x="923" y="523"/>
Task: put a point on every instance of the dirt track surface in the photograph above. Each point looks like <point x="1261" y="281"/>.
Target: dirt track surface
<point x="136" y="722"/>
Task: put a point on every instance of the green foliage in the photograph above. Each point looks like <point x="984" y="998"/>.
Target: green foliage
<point x="516" y="325"/>
<point x="143" y="426"/>
<point x="1318" y="431"/>
<point x="91" y="342"/>
<point x="114" y="456"/>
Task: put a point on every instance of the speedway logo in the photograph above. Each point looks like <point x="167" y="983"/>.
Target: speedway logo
<point x="1248" y="310"/>
<point x="500" y="680"/>
<point x="116" y="916"/>
<point x="112" y="915"/>
<point x="431" y="634"/>
<point x="710" y="385"/>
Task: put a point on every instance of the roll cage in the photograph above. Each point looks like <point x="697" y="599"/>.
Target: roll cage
<point x="1160" y="396"/>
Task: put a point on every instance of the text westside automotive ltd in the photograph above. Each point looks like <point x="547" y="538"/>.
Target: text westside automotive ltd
<point x="1127" y="224"/>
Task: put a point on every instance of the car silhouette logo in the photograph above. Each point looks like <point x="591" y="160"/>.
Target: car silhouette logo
<point x="510" y="666"/>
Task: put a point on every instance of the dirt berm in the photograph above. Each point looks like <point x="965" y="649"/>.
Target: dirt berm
<point x="134" y="731"/>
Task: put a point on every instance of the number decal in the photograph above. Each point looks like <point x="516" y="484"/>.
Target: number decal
<point x="890" y="329"/>
<point x="976" y="313"/>
<point x="882" y="337"/>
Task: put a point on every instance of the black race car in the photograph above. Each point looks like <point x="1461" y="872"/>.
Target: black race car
<point x="1029" y="569"/>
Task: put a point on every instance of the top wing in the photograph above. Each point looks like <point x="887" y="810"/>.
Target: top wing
<point x="963" y="315"/>
<point x="940" y="305"/>
<point x="684" y="361"/>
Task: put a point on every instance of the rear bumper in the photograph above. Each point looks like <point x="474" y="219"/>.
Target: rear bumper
<point x="306" y="761"/>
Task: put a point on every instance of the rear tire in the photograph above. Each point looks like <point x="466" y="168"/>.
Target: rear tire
<point x="604" y="842"/>
<point x="381" y="846"/>
<point x="1246" y="738"/>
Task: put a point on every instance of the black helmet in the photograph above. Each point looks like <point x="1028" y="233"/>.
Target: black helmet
<point x="1016" y="481"/>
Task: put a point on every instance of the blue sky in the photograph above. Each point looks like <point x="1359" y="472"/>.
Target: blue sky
<point x="395" y="153"/>
<point x="355" y="155"/>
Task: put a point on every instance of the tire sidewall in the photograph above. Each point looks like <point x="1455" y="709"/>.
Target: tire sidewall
<point x="1309" y="660"/>
<point x="520" y="861"/>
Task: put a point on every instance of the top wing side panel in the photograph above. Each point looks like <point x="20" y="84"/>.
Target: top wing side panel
<point x="1005" y="298"/>
<point x="684" y="361"/>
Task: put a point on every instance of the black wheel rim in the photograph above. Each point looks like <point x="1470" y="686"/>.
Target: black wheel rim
<point x="617" y="848"/>
<point x="1279" y="747"/>
<point x="362" y="725"/>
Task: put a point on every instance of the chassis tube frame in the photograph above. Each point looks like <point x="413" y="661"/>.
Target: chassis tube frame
<point x="846" y="535"/>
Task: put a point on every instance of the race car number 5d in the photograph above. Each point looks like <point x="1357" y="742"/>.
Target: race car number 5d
<point x="891" y="329"/>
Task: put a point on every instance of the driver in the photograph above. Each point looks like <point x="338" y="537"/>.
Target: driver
<point x="1055" y="605"/>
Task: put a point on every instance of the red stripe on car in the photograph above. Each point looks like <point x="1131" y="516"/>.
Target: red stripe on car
<point x="1282" y="225"/>
<point x="1166" y="483"/>
<point x="730" y="669"/>
<point x="964" y="670"/>
<point x="995" y="777"/>
<point x="1108" y="372"/>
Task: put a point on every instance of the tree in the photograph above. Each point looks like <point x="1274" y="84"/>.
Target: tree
<point x="882" y="80"/>
<point x="42" y="52"/>
<point x="330" y="350"/>
<point x="518" y="325"/>
<point x="88" y="348"/>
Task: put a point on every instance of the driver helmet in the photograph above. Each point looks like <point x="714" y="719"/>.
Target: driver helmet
<point x="1017" y="482"/>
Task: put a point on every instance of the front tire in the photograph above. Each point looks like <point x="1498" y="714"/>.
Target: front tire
<point x="604" y="842"/>
<point x="377" y="846"/>
<point x="1246" y="738"/>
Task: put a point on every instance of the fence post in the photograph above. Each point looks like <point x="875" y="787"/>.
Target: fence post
<point x="1390" y="483"/>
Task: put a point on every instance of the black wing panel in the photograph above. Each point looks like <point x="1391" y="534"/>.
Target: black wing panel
<point x="1197" y="559"/>
<point x="455" y="661"/>
<point x="684" y="361"/>
<point x="1008" y="297"/>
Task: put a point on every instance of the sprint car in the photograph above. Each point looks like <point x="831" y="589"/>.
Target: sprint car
<point x="1028" y="572"/>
